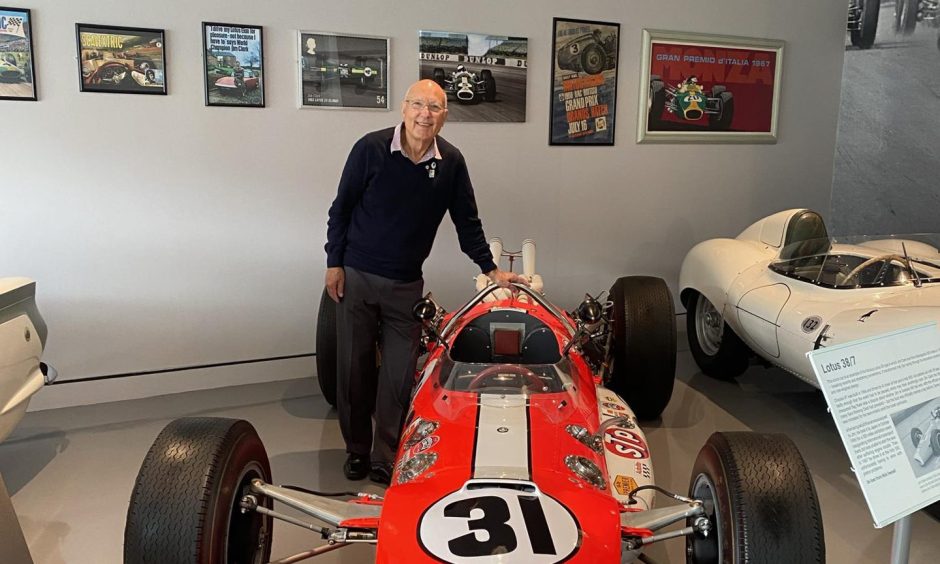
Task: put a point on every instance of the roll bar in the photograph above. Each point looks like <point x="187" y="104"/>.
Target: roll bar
<point x="536" y="297"/>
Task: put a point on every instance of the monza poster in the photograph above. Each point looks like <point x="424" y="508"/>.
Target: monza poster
<point x="121" y="59"/>
<point x="483" y="75"/>
<point x="234" y="65"/>
<point x="343" y="71"/>
<point x="584" y="82"/>
<point x="716" y="89"/>
<point x="16" y="55"/>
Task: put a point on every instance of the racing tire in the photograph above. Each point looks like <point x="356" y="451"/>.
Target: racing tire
<point x="864" y="37"/>
<point x="916" y="436"/>
<point x="935" y="443"/>
<point x="760" y="499"/>
<point x="326" y="348"/>
<point x="718" y="89"/>
<point x="489" y="83"/>
<point x="593" y="59"/>
<point x="644" y="344"/>
<point x="438" y="75"/>
<point x="657" y="103"/>
<point x="185" y="505"/>
<point x="905" y="16"/>
<point x="723" y="356"/>
<point x="723" y="120"/>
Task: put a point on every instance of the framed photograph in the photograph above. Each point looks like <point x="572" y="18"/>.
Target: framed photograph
<point x="708" y="88"/>
<point x="483" y="75"/>
<point x="343" y="71"/>
<point x="584" y="82"/>
<point x="129" y="60"/>
<point x="233" y="62"/>
<point x="17" y="67"/>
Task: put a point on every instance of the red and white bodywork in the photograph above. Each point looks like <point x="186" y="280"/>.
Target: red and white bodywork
<point x="515" y="496"/>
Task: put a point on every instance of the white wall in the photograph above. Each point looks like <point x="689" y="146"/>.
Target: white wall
<point x="163" y="233"/>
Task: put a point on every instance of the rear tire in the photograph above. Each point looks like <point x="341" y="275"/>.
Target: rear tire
<point x="326" y="348"/>
<point x="864" y="37"/>
<point x="716" y="349"/>
<point x="760" y="499"/>
<point x="490" y="84"/>
<point x="905" y="16"/>
<point x="644" y="344"/>
<point x="935" y="443"/>
<point x="657" y="103"/>
<point x="916" y="436"/>
<point x="185" y="505"/>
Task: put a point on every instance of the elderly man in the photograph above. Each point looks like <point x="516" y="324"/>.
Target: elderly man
<point x="394" y="191"/>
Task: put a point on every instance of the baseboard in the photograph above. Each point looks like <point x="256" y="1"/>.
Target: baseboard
<point x="65" y="394"/>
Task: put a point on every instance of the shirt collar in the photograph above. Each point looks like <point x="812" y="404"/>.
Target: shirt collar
<point x="432" y="152"/>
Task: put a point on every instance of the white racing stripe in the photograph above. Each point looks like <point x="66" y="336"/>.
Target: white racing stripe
<point x="502" y="439"/>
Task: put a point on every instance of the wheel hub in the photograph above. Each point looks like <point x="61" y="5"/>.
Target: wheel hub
<point x="709" y="326"/>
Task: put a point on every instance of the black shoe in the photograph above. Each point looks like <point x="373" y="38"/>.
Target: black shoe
<point x="381" y="473"/>
<point x="356" y="467"/>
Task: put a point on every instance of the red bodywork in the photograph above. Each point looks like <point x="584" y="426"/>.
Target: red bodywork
<point x="596" y="512"/>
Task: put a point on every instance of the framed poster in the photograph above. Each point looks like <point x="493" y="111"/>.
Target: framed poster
<point x="17" y="67"/>
<point x="483" y="75"/>
<point x="233" y="62"/>
<point x="584" y="82"/>
<point x="708" y="88"/>
<point x="129" y="60"/>
<point x="343" y="71"/>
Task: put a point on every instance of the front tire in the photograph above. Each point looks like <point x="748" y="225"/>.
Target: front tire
<point x="326" y="348"/>
<point x="185" y="505"/>
<point x="644" y="344"/>
<point x="723" y="121"/>
<point x="438" y="75"/>
<point x="716" y="349"/>
<point x="593" y="59"/>
<point x="760" y="499"/>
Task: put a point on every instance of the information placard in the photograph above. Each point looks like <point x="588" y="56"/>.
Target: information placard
<point x="884" y="395"/>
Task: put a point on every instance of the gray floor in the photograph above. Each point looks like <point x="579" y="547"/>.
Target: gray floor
<point x="71" y="470"/>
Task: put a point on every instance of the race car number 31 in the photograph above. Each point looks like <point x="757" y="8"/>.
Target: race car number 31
<point x="520" y="527"/>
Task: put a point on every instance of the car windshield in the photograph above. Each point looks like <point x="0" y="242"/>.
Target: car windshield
<point x="862" y="261"/>
<point x="505" y="378"/>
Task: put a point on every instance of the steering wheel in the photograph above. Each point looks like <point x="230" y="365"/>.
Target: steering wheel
<point x="887" y="259"/>
<point x="529" y="378"/>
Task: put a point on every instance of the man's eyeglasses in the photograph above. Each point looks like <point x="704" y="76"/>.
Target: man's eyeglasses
<point x="418" y="105"/>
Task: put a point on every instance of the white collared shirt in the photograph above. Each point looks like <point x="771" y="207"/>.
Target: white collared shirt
<point x="431" y="153"/>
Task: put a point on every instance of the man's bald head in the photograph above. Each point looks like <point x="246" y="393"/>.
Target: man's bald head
<point x="427" y="90"/>
<point x="423" y="111"/>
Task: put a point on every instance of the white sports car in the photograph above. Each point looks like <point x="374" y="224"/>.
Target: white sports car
<point x="783" y="287"/>
<point x="22" y="337"/>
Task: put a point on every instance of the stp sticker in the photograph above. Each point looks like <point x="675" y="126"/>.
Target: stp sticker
<point x="624" y="484"/>
<point x="512" y="526"/>
<point x="625" y="443"/>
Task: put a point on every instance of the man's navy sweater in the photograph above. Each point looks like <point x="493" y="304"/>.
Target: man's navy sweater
<point x="387" y="209"/>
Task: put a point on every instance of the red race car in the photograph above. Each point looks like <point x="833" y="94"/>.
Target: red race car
<point x="521" y="446"/>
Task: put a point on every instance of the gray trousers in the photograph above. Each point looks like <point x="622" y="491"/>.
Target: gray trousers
<point x="374" y="307"/>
